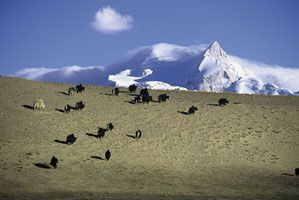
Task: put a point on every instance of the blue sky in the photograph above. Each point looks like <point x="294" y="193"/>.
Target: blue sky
<point x="59" y="33"/>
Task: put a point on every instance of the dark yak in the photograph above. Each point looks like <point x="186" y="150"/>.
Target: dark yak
<point x="132" y="88"/>
<point x="192" y="110"/>
<point x="110" y="126"/>
<point x="54" y="162"/>
<point x="223" y="101"/>
<point x="146" y="98"/>
<point x="101" y="132"/>
<point x="79" y="105"/>
<point x="70" y="139"/>
<point x="80" y="88"/>
<point x="162" y="97"/>
<point x="107" y="155"/>
<point x="143" y="92"/>
<point x="115" y="91"/>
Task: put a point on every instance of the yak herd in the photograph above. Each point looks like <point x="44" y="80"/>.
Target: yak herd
<point x="143" y="97"/>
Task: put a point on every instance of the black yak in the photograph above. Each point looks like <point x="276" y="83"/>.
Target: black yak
<point x="71" y="91"/>
<point x="297" y="171"/>
<point x="115" y="91"/>
<point x="67" y="108"/>
<point x="223" y="101"/>
<point x="192" y="110"/>
<point x="146" y="98"/>
<point x="110" y="126"/>
<point x="162" y="97"/>
<point x="137" y="99"/>
<point x="79" y="105"/>
<point x="132" y="88"/>
<point x="70" y="139"/>
<point x="144" y="92"/>
<point x="107" y="155"/>
<point x="101" y="132"/>
<point x="138" y="134"/>
<point x="79" y="88"/>
<point x="54" y="162"/>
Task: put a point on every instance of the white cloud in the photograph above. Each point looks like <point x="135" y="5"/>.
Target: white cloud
<point x="108" y="21"/>
<point x="281" y="76"/>
<point x="70" y="74"/>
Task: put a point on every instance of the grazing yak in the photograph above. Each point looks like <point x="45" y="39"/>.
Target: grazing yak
<point x="101" y="132"/>
<point x="79" y="105"/>
<point x="115" y="91"/>
<point x="223" y="101"/>
<point x="39" y="104"/>
<point x="80" y="88"/>
<point x="70" y="139"/>
<point x="71" y="91"/>
<point x="132" y="88"/>
<point x="144" y="92"/>
<point x="163" y="97"/>
<point x="110" y="126"/>
<point x="138" y="134"/>
<point x="297" y="171"/>
<point x="137" y="99"/>
<point x="192" y="110"/>
<point x="67" y="108"/>
<point x="146" y="98"/>
<point x="54" y="162"/>
<point x="107" y="155"/>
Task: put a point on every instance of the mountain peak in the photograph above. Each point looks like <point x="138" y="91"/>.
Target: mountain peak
<point x="216" y="51"/>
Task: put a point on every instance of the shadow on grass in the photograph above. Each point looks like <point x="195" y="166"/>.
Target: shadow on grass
<point x="97" y="157"/>
<point x="130" y="102"/>
<point x="287" y="174"/>
<point x="60" y="141"/>
<point x="184" y="113"/>
<point x="211" y="104"/>
<point x="41" y="165"/>
<point x="92" y="135"/>
<point x="59" y="110"/>
<point x="64" y="93"/>
<point x="131" y="136"/>
<point x="28" y="107"/>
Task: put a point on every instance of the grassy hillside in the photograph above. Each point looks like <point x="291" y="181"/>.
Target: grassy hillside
<point x="246" y="150"/>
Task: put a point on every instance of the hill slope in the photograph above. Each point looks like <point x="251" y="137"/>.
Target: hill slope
<point x="241" y="150"/>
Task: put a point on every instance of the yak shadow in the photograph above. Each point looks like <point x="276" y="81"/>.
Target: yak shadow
<point x="124" y="91"/>
<point x="184" y="113"/>
<point x="92" y="135"/>
<point x="110" y="95"/>
<point x="59" y="110"/>
<point x="97" y="157"/>
<point x="41" y="165"/>
<point x="237" y="103"/>
<point x="64" y="93"/>
<point x="286" y="174"/>
<point x="60" y="141"/>
<point x="131" y="136"/>
<point x="130" y="102"/>
<point x="211" y="104"/>
<point x="134" y="95"/>
<point x="28" y="107"/>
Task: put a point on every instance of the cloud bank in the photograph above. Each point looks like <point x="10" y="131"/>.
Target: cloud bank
<point x="281" y="76"/>
<point x="71" y="74"/>
<point x="108" y="21"/>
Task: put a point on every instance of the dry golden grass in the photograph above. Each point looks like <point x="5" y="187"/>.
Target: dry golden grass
<point x="246" y="150"/>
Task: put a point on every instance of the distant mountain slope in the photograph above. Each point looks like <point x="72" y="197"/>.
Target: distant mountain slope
<point x="167" y="66"/>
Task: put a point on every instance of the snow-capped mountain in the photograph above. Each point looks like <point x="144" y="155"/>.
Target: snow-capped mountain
<point x="193" y="68"/>
<point x="166" y="66"/>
